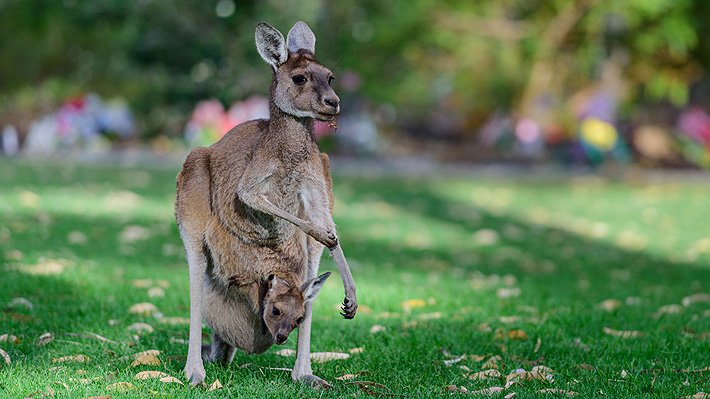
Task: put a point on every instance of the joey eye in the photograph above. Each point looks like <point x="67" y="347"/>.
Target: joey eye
<point x="299" y="79"/>
<point x="330" y="80"/>
<point x="275" y="311"/>
<point x="299" y="320"/>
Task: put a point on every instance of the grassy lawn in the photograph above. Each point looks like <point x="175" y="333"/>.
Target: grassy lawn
<point x="600" y="282"/>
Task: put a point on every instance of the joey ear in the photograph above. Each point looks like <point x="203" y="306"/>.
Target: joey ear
<point x="300" y="37"/>
<point x="271" y="45"/>
<point x="311" y="288"/>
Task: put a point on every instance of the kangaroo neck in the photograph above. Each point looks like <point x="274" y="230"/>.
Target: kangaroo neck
<point x="292" y="138"/>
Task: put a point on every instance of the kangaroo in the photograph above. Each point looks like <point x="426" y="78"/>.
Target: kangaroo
<point x="254" y="212"/>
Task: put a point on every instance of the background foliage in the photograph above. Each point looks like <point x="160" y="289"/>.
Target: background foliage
<point x="465" y="59"/>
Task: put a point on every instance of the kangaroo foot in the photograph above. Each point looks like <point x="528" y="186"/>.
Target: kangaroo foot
<point x="315" y="382"/>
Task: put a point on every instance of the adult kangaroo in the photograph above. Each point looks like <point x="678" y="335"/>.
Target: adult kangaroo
<point x="255" y="212"/>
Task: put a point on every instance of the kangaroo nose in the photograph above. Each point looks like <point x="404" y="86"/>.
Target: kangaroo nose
<point x="331" y="102"/>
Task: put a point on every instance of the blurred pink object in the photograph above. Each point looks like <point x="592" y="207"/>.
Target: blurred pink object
<point x="695" y="122"/>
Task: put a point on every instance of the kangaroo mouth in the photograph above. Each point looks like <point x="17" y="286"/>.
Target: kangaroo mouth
<point x="326" y="117"/>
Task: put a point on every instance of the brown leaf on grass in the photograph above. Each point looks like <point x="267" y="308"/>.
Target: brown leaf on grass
<point x="285" y="352"/>
<point x="144" y="375"/>
<point x="140" y="328"/>
<point x="322" y="357"/>
<point x="5" y="356"/>
<point x="44" y="339"/>
<point x="142" y="308"/>
<point x="135" y="356"/>
<point x="149" y="360"/>
<point x="584" y="366"/>
<point x="517" y="334"/>
<point x="354" y="351"/>
<point x="454" y="388"/>
<point x="492" y="363"/>
<point x="484" y="375"/>
<point x="609" y="305"/>
<point x="142" y="283"/>
<point x="215" y="386"/>
<point x="453" y="361"/>
<point x="699" y="395"/>
<point x="539" y="373"/>
<point x="487" y="391"/>
<point x="9" y="338"/>
<point x="377" y="328"/>
<point x="156" y="292"/>
<point x="175" y="321"/>
<point x="72" y="358"/>
<point x="696" y="298"/>
<point x="622" y="333"/>
<point x="98" y="397"/>
<point x="668" y="309"/>
<point x="559" y="392"/>
<point x="121" y="387"/>
<point x="346" y="377"/>
<point x="170" y="380"/>
<point x="367" y="387"/>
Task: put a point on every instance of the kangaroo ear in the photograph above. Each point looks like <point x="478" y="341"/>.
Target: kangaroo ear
<point x="311" y="288"/>
<point x="300" y="37"/>
<point x="271" y="45"/>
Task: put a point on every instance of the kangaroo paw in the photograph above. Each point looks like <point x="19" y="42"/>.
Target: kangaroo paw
<point x="349" y="307"/>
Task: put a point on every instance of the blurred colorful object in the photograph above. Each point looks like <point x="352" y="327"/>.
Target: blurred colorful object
<point x="600" y="140"/>
<point x="694" y="124"/>
<point x="85" y="122"/>
<point x="210" y="121"/>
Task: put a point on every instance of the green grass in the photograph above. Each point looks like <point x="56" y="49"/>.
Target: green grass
<point x="73" y="238"/>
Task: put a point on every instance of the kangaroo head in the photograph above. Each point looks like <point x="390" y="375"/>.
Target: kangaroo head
<point x="284" y="304"/>
<point x="301" y="86"/>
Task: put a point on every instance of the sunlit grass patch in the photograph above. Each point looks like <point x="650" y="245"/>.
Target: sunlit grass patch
<point x="602" y="284"/>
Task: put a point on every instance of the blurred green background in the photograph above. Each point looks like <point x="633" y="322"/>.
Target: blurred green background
<point x="420" y="69"/>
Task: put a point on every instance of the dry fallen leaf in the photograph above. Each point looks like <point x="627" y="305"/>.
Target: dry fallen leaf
<point x="609" y="305"/>
<point x="215" y="386"/>
<point x="20" y="302"/>
<point x="175" y="321"/>
<point x="455" y="360"/>
<point x="98" y="397"/>
<point x="149" y="360"/>
<point x="487" y="391"/>
<point x="622" y="333"/>
<point x="491" y="363"/>
<point x="668" y="309"/>
<point x="140" y="328"/>
<point x="143" y="308"/>
<point x="170" y="379"/>
<point x="142" y="283"/>
<point x="44" y="339"/>
<point x="156" y="292"/>
<point x="517" y="334"/>
<point x="484" y="375"/>
<point x="144" y="375"/>
<point x="72" y="358"/>
<point x="377" y="328"/>
<point x="9" y="338"/>
<point x="322" y="357"/>
<point x="695" y="298"/>
<point x="121" y="386"/>
<point x="5" y="356"/>
<point x="285" y="352"/>
<point x="354" y="351"/>
<point x="699" y="395"/>
<point x="559" y="392"/>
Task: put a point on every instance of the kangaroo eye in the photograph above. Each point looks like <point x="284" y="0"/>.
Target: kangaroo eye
<point x="275" y="311"/>
<point x="299" y="79"/>
<point x="299" y="320"/>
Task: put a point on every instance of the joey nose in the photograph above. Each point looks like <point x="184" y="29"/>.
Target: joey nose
<point x="280" y="338"/>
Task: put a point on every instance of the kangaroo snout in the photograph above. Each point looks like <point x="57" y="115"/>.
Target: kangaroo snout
<point x="280" y="339"/>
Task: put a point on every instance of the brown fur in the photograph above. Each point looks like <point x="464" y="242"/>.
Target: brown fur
<point x="255" y="211"/>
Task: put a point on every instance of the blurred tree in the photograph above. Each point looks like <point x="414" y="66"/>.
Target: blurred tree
<point x="460" y="59"/>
